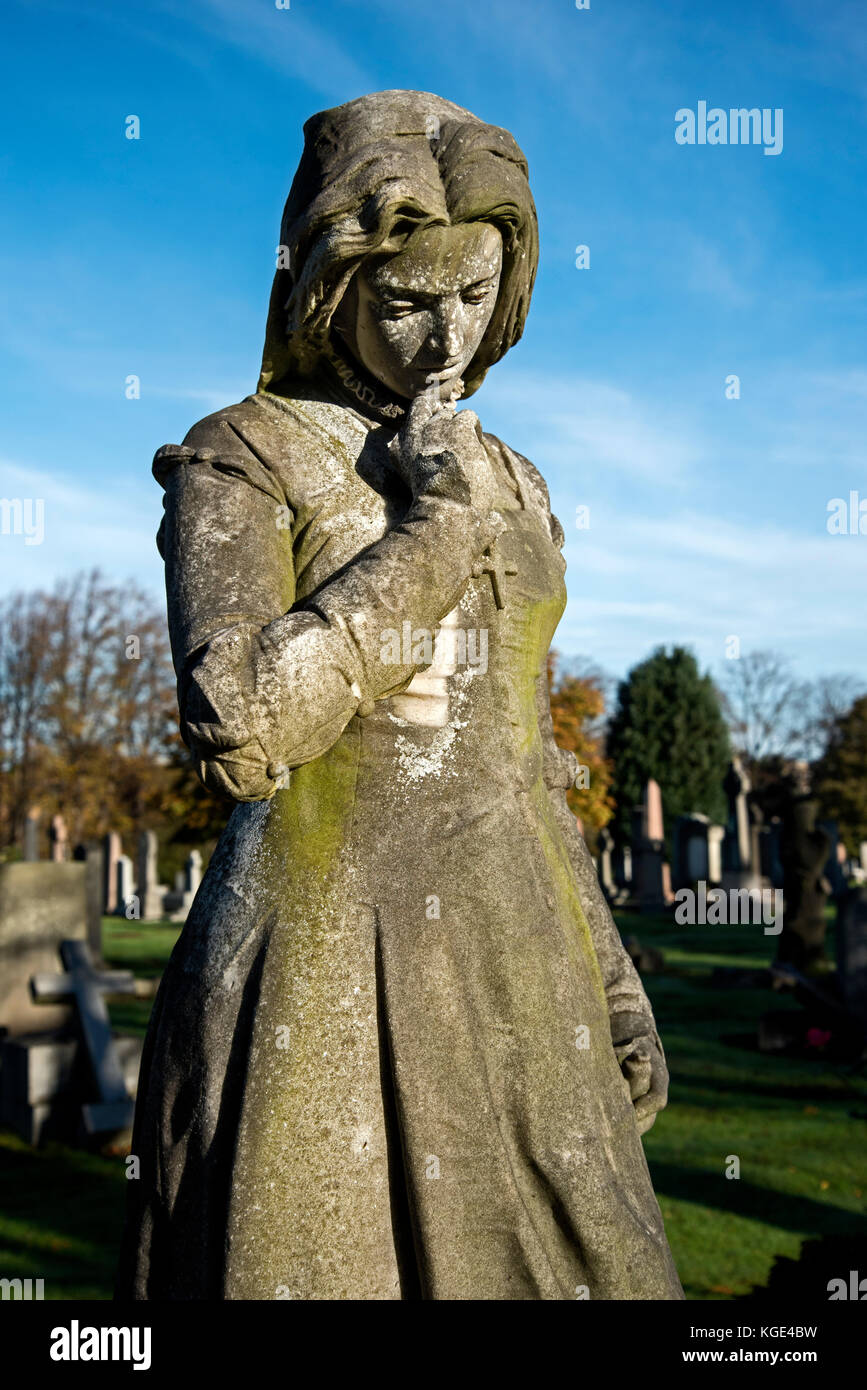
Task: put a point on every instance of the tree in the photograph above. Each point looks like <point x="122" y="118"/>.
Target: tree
<point x="577" y="707"/>
<point x="668" y="725"/>
<point x="840" y="778"/>
<point x="773" y="717"/>
<point x="765" y="706"/>
<point x="88" y="717"/>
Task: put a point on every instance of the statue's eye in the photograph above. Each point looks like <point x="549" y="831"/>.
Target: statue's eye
<point x="477" y="294"/>
<point x="397" y="308"/>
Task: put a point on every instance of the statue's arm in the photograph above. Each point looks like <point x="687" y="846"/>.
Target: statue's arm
<point x="265" y="685"/>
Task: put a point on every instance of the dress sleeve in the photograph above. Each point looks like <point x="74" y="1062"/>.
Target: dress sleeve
<point x="265" y="685"/>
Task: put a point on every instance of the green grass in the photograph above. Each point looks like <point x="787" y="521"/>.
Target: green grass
<point x="797" y="1127"/>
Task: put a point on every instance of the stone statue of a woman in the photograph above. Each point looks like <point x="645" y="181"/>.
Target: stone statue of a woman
<point x="399" y="1050"/>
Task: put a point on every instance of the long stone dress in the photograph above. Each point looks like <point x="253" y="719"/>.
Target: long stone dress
<point x="381" y="1062"/>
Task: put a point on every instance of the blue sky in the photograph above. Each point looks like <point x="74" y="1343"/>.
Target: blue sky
<point x="154" y="257"/>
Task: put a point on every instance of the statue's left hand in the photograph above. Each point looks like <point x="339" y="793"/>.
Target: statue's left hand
<point x="643" y="1065"/>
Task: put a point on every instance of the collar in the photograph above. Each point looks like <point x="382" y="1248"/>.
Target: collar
<point x="358" y="388"/>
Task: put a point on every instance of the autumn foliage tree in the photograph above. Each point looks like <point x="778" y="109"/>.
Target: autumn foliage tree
<point x="88" y="719"/>
<point x="577" y="709"/>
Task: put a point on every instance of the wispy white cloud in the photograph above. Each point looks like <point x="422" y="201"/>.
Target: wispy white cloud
<point x="85" y="526"/>
<point x="593" y="428"/>
<point x="287" y="41"/>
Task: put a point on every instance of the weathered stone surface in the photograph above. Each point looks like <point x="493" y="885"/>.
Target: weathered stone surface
<point x="400" y="1050"/>
<point x="41" y="904"/>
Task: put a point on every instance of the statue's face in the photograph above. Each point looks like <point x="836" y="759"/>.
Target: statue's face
<point x="417" y="319"/>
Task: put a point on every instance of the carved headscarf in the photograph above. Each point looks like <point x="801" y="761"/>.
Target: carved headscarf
<point x="372" y="172"/>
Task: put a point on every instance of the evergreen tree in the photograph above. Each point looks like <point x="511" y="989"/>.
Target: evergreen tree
<point x="841" y="775"/>
<point x="668" y="725"/>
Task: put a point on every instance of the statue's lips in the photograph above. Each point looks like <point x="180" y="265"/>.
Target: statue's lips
<point x="440" y="373"/>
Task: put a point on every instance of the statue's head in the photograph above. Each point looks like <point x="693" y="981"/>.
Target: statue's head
<point x="410" y="235"/>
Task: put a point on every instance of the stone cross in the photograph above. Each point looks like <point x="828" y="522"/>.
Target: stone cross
<point x="738" y="845"/>
<point x="84" y="988"/>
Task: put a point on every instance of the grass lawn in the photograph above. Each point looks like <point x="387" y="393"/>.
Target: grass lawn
<point x="797" y="1127"/>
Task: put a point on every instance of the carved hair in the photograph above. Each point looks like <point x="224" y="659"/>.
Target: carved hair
<point x="373" y="172"/>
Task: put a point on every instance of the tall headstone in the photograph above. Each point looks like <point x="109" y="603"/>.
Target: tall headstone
<point x="738" y="871"/>
<point x="150" y="892"/>
<point x="124" y="884"/>
<point x="715" y="838"/>
<point x="194" y="871"/>
<point x="623" y="869"/>
<point x="90" y="854"/>
<point x="59" y="840"/>
<point x="32" y="835"/>
<point x="112" y="849"/>
<point x="648" y="850"/>
<point x="605" y="841"/>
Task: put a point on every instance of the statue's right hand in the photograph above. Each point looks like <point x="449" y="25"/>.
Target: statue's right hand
<point x="442" y="452"/>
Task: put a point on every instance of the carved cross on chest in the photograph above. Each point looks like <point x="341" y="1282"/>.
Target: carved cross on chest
<point x="493" y="563"/>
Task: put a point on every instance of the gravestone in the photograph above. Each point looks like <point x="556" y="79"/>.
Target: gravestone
<point x="804" y="853"/>
<point x="59" y="840"/>
<point x="833" y="868"/>
<point x="770" y="862"/>
<point x="110" y="1108"/>
<point x="194" y="871"/>
<point x="690" y="850"/>
<point x="606" y="872"/>
<point x="738" y="871"/>
<point x="32" y="835"/>
<point x="715" y="839"/>
<point x="150" y="892"/>
<point x="124" y="885"/>
<point x="90" y="854"/>
<point x="623" y="869"/>
<point x="176" y="905"/>
<point x="40" y="906"/>
<point x="648" y="849"/>
<point x="112" y="849"/>
<point x="42" y="1077"/>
